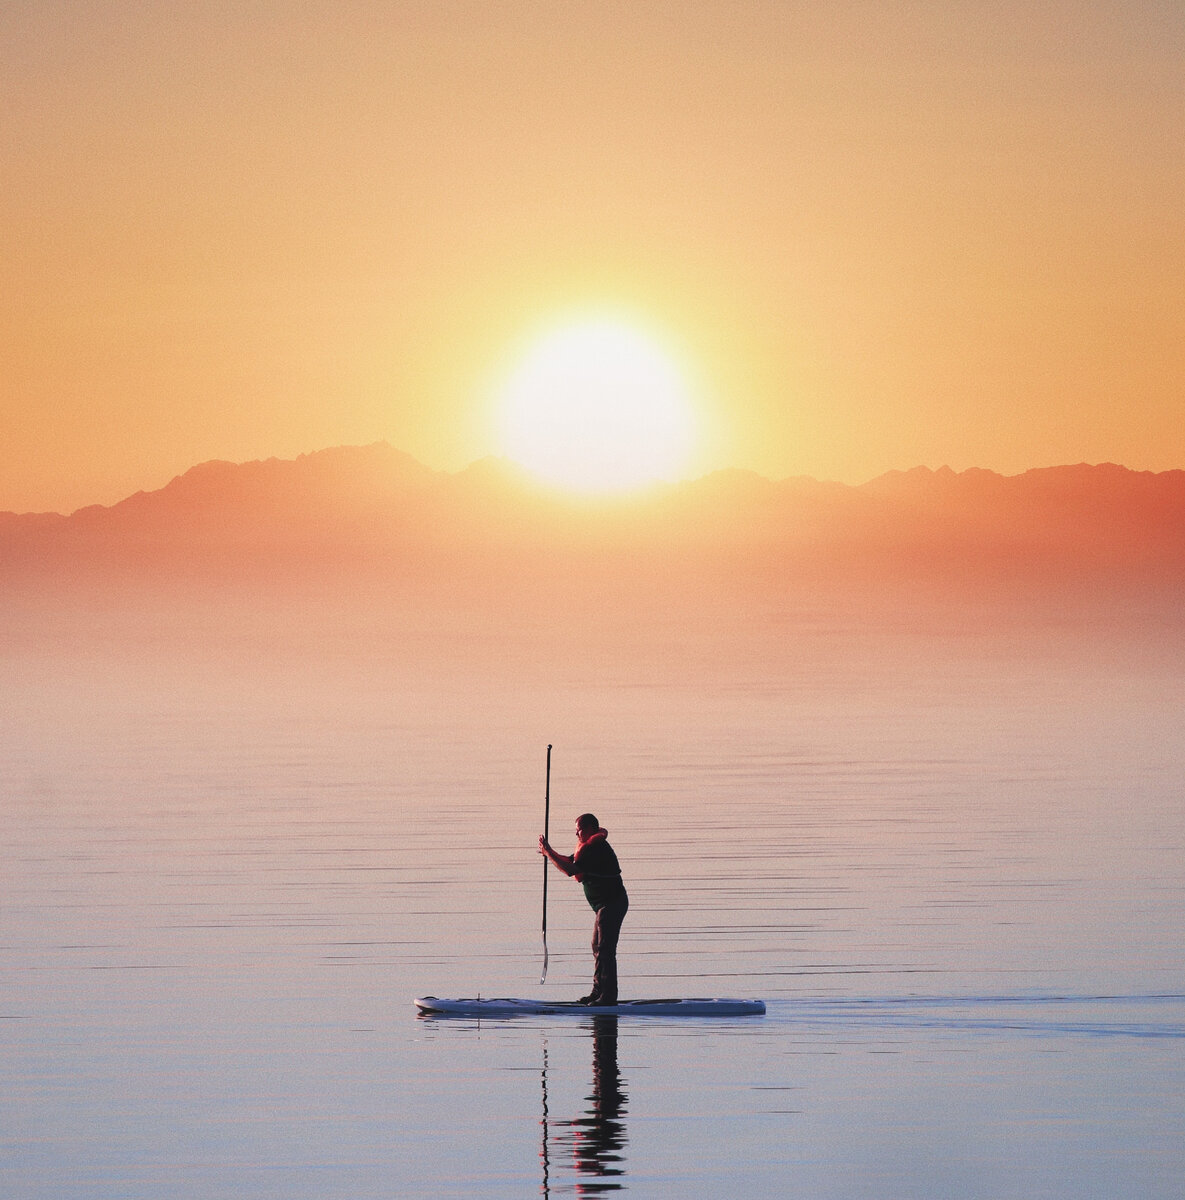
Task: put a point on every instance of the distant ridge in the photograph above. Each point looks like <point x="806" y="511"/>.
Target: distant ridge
<point x="375" y="509"/>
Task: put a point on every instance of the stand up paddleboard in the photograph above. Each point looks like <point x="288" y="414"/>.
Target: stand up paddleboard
<point x="509" y="1007"/>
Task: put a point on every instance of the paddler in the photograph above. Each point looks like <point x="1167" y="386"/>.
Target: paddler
<point x="595" y="865"/>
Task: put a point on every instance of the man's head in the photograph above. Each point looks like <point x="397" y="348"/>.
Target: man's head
<point x="586" y="826"/>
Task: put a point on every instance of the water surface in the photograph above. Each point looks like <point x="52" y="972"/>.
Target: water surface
<point x="954" y="873"/>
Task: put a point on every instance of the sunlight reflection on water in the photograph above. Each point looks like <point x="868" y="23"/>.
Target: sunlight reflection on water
<point x="962" y="901"/>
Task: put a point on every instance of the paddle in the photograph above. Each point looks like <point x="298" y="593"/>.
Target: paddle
<point x="546" y="818"/>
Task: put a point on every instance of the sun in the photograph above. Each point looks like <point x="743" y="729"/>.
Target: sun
<point x="597" y="406"/>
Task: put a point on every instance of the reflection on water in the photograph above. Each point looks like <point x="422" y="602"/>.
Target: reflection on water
<point x="960" y="892"/>
<point x="594" y="1141"/>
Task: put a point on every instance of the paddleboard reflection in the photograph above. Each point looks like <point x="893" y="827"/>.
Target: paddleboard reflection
<point x="594" y="1142"/>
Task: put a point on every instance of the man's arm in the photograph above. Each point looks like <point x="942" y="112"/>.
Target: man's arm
<point x="564" y="862"/>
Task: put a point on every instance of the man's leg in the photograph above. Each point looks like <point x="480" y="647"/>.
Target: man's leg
<point x="606" y="929"/>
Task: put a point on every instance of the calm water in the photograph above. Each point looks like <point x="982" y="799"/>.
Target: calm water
<point x="954" y="874"/>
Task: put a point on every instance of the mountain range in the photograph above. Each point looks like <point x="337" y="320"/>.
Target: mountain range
<point x="375" y="512"/>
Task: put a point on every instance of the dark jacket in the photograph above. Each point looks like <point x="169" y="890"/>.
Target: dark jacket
<point x="595" y="866"/>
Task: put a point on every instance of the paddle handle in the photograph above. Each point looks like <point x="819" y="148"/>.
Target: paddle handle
<point x="546" y="823"/>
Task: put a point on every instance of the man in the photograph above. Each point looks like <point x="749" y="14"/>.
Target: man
<point x="595" y="866"/>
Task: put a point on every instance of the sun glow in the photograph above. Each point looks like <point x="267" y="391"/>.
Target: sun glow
<point x="597" y="406"/>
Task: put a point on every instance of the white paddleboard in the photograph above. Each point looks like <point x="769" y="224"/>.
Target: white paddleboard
<point x="510" y="1007"/>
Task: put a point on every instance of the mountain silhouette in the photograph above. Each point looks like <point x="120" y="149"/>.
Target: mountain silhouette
<point x="375" y="513"/>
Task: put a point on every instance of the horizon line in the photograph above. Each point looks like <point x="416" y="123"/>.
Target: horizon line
<point x="578" y="495"/>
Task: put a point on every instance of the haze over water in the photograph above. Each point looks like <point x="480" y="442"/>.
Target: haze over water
<point x="949" y="860"/>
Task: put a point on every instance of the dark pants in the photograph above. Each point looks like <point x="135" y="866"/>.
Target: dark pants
<point x="606" y="929"/>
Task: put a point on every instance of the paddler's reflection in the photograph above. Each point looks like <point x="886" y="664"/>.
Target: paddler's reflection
<point x="596" y="1140"/>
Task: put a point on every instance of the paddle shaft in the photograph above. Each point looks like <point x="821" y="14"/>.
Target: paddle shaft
<point x="546" y="823"/>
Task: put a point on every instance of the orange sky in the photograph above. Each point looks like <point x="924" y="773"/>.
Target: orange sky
<point x="881" y="234"/>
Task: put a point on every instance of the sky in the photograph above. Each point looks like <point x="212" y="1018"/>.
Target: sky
<point x="873" y="235"/>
